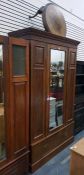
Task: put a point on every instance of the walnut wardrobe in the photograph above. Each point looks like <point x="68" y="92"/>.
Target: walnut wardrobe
<point x="39" y="87"/>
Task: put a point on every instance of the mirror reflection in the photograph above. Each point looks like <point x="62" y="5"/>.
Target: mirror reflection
<point x="56" y="90"/>
<point x="2" y="119"/>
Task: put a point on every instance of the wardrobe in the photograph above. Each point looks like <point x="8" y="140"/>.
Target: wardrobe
<point x="39" y="89"/>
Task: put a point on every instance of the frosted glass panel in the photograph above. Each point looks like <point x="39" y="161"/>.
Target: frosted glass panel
<point x="19" y="57"/>
<point x="56" y="91"/>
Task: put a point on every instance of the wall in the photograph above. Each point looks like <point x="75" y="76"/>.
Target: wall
<point x="14" y="15"/>
<point x="76" y="7"/>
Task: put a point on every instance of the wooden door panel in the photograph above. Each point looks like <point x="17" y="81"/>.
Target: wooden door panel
<point x="19" y="116"/>
<point x="38" y="106"/>
<point x="19" y="94"/>
<point x="72" y="57"/>
<point x="38" y="66"/>
<point x="39" y="55"/>
<point x="71" y="84"/>
<point x="70" y="94"/>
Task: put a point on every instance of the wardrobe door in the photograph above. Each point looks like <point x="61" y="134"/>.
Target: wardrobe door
<point x="38" y="89"/>
<point x="71" y="84"/>
<point x="4" y="100"/>
<point x="19" y="95"/>
<point x="56" y="89"/>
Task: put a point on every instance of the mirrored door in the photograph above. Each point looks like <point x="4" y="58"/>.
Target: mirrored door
<point x="56" y="88"/>
<point x="2" y="116"/>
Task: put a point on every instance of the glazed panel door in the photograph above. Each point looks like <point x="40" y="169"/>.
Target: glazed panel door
<point x="4" y="96"/>
<point x="19" y="95"/>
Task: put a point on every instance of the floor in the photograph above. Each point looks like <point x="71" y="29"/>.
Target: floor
<point x="60" y="164"/>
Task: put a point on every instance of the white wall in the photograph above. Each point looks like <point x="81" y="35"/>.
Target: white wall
<point x="74" y="6"/>
<point x="76" y="15"/>
<point x="15" y="12"/>
<point x="14" y="15"/>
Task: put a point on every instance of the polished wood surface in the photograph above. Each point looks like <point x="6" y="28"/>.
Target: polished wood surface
<point x="46" y="37"/>
<point x="79" y="147"/>
<point x="51" y="143"/>
<point x="19" y="116"/>
<point x="45" y="143"/>
<point x="38" y="91"/>
<point x="16" y="111"/>
<point x="20" y="102"/>
<point x="79" y="98"/>
<point x="77" y="158"/>
<point x="26" y="101"/>
<point x="71" y="80"/>
<point x="16" y="167"/>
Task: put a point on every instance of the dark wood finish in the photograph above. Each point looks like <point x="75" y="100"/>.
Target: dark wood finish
<point x="46" y="37"/>
<point x="16" y="111"/>
<point x="38" y="90"/>
<point x="16" y="167"/>
<point x="71" y="79"/>
<point x="51" y="143"/>
<point x="42" y="161"/>
<point x="44" y="143"/>
<point x="20" y="102"/>
<point x="79" y="98"/>
<point x="19" y="119"/>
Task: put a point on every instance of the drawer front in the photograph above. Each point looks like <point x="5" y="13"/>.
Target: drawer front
<point x="51" y="143"/>
<point x="19" y="167"/>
